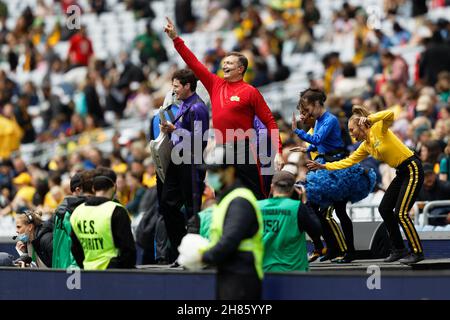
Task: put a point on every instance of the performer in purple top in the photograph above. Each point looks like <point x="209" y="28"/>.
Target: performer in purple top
<point x="178" y="188"/>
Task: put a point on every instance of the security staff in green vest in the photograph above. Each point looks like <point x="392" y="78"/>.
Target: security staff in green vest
<point x="81" y="188"/>
<point x="236" y="246"/>
<point x="285" y="223"/>
<point x="101" y="230"/>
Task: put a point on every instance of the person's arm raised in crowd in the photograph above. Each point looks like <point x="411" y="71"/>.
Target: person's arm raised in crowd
<point x="123" y="238"/>
<point x="202" y="73"/>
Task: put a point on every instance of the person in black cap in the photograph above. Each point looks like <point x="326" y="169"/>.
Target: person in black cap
<point x="101" y="230"/>
<point x="81" y="188"/>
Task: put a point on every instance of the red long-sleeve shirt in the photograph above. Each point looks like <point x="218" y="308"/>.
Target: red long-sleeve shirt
<point x="80" y="50"/>
<point x="234" y="104"/>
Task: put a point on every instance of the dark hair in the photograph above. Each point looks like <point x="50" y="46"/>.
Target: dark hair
<point x="102" y="183"/>
<point x="311" y="96"/>
<point x="348" y="70"/>
<point x="242" y="59"/>
<point x="137" y="175"/>
<point x="186" y="76"/>
<point x="55" y="177"/>
<point x="76" y="181"/>
<point x="387" y="54"/>
<point x="434" y="151"/>
<point x="87" y="180"/>
<point x="397" y="27"/>
<point x="285" y="189"/>
<point x="106" y="172"/>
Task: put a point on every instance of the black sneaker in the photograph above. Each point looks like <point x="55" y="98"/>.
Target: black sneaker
<point x="347" y="258"/>
<point x="174" y="265"/>
<point x="412" y="258"/>
<point x="396" y="254"/>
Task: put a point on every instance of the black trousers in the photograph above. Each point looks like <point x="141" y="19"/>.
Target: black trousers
<point x="336" y="240"/>
<point x="398" y="200"/>
<point x="238" y="287"/>
<point x="247" y="169"/>
<point x="176" y="193"/>
<point x="346" y="224"/>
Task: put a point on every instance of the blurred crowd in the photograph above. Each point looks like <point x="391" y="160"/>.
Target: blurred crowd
<point x="80" y="95"/>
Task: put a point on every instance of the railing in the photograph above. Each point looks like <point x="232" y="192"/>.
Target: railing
<point x="372" y="208"/>
<point x="416" y="210"/>
<point x="432" y="205"/>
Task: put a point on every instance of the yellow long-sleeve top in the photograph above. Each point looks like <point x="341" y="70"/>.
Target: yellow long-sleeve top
<point x="381" y="143"/>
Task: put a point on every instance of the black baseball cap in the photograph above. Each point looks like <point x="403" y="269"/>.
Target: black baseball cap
<point x="283" y="179"/>
<point x="428" y="168"/>
<point x="75" y="182"/>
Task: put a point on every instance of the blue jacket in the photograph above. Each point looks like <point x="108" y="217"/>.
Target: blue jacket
<point x="326" y="136"/>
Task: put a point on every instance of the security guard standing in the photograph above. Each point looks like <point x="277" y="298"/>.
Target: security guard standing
<point x="236" y="246"/>
<point x="101" y="230"/>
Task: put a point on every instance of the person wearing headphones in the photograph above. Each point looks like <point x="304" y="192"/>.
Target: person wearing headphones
<point x="35" y="238"/>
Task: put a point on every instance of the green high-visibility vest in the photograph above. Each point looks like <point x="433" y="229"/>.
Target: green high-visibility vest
<point x="284" y="244"/>
<point x="254" y="244"/>
<point x="205" y="221"/>
<point x="92" y="226"/>
<point x="62" y="243"/>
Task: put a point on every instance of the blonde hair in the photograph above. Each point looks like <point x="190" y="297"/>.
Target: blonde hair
<point x="31" y="217"/>
<point x="358" y="112"/>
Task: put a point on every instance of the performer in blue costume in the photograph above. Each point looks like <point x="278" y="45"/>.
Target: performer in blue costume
<point x="328" y="190"/>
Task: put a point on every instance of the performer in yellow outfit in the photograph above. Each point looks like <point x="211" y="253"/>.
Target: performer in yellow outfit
<point x="381" y="143"/>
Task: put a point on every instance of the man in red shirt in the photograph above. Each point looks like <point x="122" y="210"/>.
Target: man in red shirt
<point x="80" y="49"/>
<point x="234" y="107"/>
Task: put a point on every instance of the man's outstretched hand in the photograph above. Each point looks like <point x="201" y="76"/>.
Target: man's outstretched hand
<point x="170" y="29"/>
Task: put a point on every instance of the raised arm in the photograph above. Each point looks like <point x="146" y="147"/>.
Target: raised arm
<point x="386" y="116"/>
<point x="200" y="71"/>
<point x="318" y="137"/>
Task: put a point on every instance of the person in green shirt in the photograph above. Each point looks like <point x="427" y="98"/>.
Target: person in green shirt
<point x="285" y="223"/>
<point x="444" y="167"/>
<point x="150" y="46"/>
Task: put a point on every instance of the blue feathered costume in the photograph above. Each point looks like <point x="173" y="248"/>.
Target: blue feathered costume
<point x="323" y="187"/>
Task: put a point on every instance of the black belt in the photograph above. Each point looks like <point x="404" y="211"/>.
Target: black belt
<point x="334" y="155"/>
